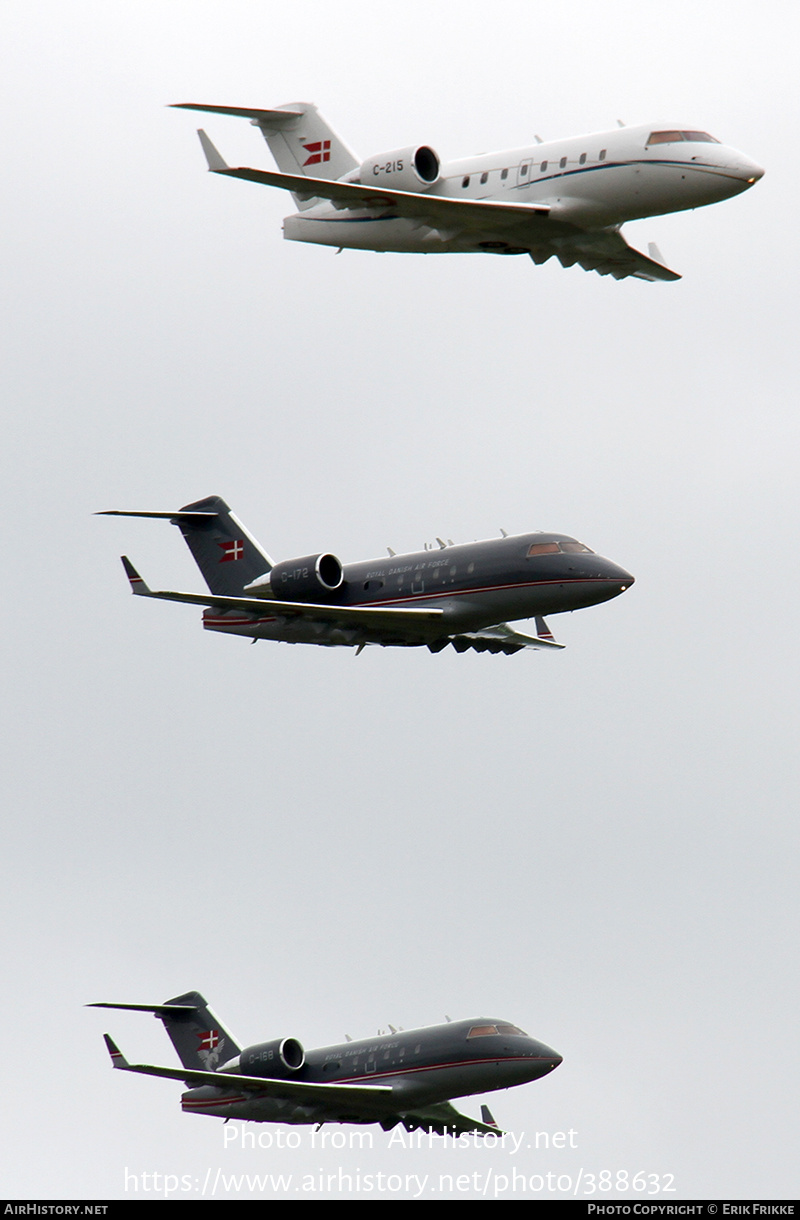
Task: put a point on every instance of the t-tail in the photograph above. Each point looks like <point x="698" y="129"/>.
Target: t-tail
<point x="224" y="551"/>
<point x="201" y="1040"/>
<point x="300" y="140"/>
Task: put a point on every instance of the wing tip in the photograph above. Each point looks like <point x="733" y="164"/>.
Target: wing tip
<point x="214" y="158"/>
<point x="137" y="584"/>
<point x="118" y="1060"/>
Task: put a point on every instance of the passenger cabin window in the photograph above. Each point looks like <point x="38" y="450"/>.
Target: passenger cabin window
<point x="563" y="162"/>
<point x="582" y="158"/>
<point x="504" y="174"/>
<point x="523" y="170"/>
<point x="465" y="181"/>
<point x="602" y="156"/>
<point x="675" y="137"/>
<point x="484" y="177"/>
<point x="543" y="168"/>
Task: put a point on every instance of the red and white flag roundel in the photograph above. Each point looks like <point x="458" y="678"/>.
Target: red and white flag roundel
<point x="232" y="550"/>
<point x="209" y="1040"/>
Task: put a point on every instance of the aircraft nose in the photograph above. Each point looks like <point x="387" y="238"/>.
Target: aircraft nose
<point x="551" y="1058"/>
<point x="752" y="172"/>
<point x="621" y="577"/>
<point x="748" y="170"/>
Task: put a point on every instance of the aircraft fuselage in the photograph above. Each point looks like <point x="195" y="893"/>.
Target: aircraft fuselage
<point x="596" y="181"/>
<point x="475" y="584"/>
<point x="422" y="1067"/>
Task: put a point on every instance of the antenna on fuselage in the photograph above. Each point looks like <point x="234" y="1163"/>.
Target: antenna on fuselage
<point x="620" y="123"/>
<point x="503" y="532"/>
<point x="391" y="552"/>
<point x="538" y="139"/>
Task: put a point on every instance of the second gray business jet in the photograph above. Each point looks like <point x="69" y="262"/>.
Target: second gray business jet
<point x="460" y="595"/>
<point x="407" y="1076"/>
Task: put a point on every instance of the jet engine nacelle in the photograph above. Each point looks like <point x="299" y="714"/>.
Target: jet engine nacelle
<point x="277" y="1060"/>
<point x="310" y="576"/>
<point x="406" y="169"/>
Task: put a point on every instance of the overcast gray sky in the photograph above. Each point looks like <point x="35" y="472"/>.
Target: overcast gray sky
<point x="598" y="845"/>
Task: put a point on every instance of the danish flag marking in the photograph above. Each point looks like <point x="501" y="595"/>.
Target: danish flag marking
<point x="232" y="550"/>
<point x="209" y="1040"/>
<point x="320" y="151"/>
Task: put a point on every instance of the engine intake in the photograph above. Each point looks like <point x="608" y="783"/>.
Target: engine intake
<point x="406" y="169"/>
<point x="276" y="1060"/>
<point x="311" y="576"/>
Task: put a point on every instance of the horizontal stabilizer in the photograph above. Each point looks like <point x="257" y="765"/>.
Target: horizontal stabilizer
<point x="273" y="117"/>
<point x="178" y="515"/>
<point x="158" y="1009"/>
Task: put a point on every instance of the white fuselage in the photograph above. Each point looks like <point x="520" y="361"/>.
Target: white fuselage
<point x="592" y="182"/>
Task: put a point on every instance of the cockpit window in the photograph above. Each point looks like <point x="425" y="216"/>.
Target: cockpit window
<point x="675" y="137"/>
<point x="488" y="1031"/>
<point x="482" y="1031"/>
<point x="566" y="546"/>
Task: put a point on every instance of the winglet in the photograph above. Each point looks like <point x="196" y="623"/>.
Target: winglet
<point x="137" y="584"/>
<point x="213" y="157"/>
<point x="486" y="1116"/>
<point x="118" y="1060"/>
<point x="543" y="631"/>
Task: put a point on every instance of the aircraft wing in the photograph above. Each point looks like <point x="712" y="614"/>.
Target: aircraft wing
<point x="442" y="1116"/>
<point x="532" y="224"/>
<point x="298" y="1090"/>
<point x="434" y="210"/>
<point x="606" y="253"/>
<point x="270" y="607"/>
<point x="503" y="638"/>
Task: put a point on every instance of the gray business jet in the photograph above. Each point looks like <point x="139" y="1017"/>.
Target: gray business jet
<point x="406" y="1076"/>
<point x="461" y="595"/>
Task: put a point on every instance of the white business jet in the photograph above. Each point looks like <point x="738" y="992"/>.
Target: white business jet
<point x="567" y="198"/>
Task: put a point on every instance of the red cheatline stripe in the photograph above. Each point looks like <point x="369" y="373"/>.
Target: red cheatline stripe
<point x="369" y="1076"/>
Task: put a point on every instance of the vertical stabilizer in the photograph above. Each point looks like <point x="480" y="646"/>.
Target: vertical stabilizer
<point x="305" y="144"/>
<point x="201" y="1040"/>
<point x="199" y="1037"/>
<point x="227" y="555"/>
